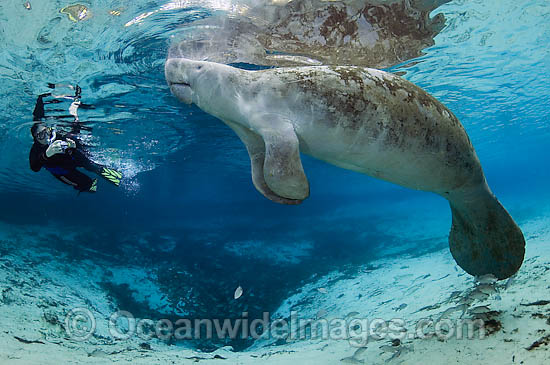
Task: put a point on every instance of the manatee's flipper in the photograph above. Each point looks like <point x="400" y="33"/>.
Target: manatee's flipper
<point x="484" y="238"/>
<point x="256" y="150"/>
<point x="283" y="171"/>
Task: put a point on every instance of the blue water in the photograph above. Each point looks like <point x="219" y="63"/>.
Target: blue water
<point x="187" y="175"/>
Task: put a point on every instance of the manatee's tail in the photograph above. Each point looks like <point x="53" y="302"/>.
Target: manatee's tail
<point x="484" y="238"/>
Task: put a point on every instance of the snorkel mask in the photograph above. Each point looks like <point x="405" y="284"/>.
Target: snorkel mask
<point x="47" y="134"/>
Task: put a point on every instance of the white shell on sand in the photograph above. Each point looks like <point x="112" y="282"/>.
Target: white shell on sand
<point x="238" y="292"/>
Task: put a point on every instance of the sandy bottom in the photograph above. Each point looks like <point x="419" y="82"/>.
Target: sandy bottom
<point x="38" y="288"/>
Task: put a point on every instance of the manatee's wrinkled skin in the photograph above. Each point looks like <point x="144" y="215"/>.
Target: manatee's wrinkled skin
<point x="360" y="119"/>
<point x="363" y="120"/>
<point x="372" y="33"/>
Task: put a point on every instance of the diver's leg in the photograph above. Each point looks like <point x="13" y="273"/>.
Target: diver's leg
<point x="84" y="161"/>
<point x="108" y="174"/>
<point x="79" y="181"/>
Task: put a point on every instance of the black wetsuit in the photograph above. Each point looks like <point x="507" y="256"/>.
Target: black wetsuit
<point x="63" y="165"/>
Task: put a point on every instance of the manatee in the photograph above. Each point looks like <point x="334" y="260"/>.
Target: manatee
<point x="360" y="119"/>
<point x="369" y="33"/>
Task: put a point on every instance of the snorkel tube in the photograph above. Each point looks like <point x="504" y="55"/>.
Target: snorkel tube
<point x="52" y="136"/>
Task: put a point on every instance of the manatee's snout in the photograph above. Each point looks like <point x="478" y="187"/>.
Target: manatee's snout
<point x="178" y="79"/>
<point x="176" y="72"/>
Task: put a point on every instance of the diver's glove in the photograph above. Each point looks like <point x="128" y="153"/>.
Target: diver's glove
<point x="111" y="175"/>
<point x="57" y="147"/>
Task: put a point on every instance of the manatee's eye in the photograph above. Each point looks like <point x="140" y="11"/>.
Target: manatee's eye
<point x="199" y="67"/>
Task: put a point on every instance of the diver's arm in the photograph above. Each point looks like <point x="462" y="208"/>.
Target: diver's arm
<point x="37" y="158"/>
<point x="38" y="112"/>
<point x="35" y="165"/>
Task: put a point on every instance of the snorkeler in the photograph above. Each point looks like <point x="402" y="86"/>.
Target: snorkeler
<point x="62" y="153"/>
